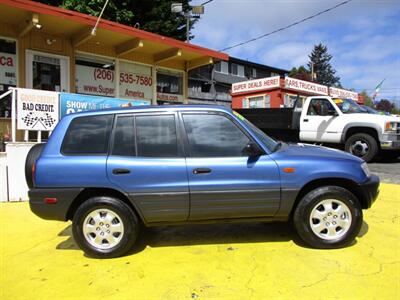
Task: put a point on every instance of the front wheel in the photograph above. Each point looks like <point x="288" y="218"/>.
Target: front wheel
<point x="105" y="227"/>
<point x="362" y="145"/>
<point x="328" y="217"/>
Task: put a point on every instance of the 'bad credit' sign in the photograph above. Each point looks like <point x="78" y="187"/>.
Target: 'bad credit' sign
<point x="37" y="110"/>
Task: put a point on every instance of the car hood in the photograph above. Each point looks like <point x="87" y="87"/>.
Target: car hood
<point x="315" y="152"/>
<point x="372" y="117"/>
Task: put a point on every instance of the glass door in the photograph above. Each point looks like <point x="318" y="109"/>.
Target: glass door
<point x="47" y="72"/>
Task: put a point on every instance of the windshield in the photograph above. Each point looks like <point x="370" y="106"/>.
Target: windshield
<point x="348" y="106"/>
<point x="370" y="110"/>
<point x="269" y="142"/>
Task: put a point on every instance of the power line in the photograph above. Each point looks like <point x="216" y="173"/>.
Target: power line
<point x="207" y="2"/>
<point x="286" y="27"/>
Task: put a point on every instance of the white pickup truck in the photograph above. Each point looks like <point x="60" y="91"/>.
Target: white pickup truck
<point x="332" y="121"/>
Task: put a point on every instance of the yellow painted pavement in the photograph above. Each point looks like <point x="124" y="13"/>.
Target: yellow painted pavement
<point x="39" y="260"/>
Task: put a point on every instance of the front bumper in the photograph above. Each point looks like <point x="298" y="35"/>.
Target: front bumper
<point x="57" y="211"/>
<point x="370" y="190"/>
<point x="390" y="142"/>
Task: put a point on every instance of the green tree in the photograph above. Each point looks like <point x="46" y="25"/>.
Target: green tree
<point x="300" y="73"/>
<point x="150" y="15"/>
<point x="325" y="74"/>
<point x="367" y="99"/>
<point x="385" y="105"/>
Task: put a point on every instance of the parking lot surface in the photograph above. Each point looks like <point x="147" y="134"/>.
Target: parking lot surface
<point x="39" y="260"/>
<point x="387" y="170"/>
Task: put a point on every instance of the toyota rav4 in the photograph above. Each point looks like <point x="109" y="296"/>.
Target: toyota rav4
<point x="112" y="171"/>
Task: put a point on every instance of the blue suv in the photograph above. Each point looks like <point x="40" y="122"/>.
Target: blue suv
<point x="111" y="171"/>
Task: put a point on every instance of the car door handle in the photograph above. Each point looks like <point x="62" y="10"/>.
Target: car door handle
<point x="121" y="171"/>
<point x="201" y="171"/>
<point x="305" y="120"/>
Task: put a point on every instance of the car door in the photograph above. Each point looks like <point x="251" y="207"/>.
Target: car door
<point x="223" y="182"/>
<point x="320" y="122"/>
<point x="147" y="163"/>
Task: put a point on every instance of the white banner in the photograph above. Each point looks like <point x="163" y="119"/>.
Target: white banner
<point x="37" y="110"/>
<point x="8" y="69"/>
<point x="95" y="81"/>
<point x="169" y="97"/>
<point x="135" y="81"/>
<point x="255" y="85"/>
<point x="305" y="86"/>
<point x="345" y="94"/>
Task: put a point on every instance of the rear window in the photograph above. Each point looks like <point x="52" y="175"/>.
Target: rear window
<point x="88" y="135"/>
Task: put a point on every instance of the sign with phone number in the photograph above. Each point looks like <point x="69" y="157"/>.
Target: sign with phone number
<point x="134" y="83"/>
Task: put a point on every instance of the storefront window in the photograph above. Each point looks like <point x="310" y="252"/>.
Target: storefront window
<point x="256" y="102"/>
<point x="8" y="73"/>
<point x="95" y="76"/>
<point x="135" y="81"/>
<point x="290" y="99"/>
<point x="169" y="86"/>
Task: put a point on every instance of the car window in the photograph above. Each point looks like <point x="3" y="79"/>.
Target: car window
<point x="88" y="135"/>
<point x="213" y="135"/>
<point x="124" y="136"/>
<point x="156" y="136"/>
<point x="315" y="108"/>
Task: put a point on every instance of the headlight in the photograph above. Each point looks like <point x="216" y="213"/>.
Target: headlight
<point x="391" y="127"/>
<point x="366" y="170"/>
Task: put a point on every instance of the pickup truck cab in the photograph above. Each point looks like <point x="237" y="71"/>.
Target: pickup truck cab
<point x="341" y="122"/>
<point x="111" y="171"/>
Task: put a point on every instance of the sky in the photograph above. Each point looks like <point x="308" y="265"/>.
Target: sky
<point x="363" y="36"/>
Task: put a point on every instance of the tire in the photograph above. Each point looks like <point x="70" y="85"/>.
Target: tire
<point x="31" y="158"/>
<point x="328" y="217"/>
<point x="362" y="145"/>
<point x="92" y="227"/>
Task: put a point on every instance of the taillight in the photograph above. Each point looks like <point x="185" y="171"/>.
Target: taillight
<point x="50" y="200"/>
<point x="33" y="173"/>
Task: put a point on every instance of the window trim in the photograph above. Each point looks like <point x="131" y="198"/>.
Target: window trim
<point x="110" y="135"/>
<point x="185" y="137"/>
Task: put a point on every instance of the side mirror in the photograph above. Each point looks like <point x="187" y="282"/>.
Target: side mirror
<point x="251" y="149"/>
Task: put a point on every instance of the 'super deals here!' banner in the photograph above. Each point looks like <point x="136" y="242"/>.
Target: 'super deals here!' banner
<point x="73" y="103"/>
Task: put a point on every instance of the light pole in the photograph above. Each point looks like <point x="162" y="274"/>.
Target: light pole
<point x="193" y="13"/>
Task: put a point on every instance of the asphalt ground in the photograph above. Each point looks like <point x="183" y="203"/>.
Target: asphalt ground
<point x="40" y="260"/>
<point x="387" y="170"/>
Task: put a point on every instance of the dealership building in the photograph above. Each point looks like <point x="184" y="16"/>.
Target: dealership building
<point x="277" y="91"/>
<point x="48" y="48"/>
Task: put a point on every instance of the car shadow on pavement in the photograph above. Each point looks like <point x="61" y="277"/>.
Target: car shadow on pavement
<point x="208" y="234"/>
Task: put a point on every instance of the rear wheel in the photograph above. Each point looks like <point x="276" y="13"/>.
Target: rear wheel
<point x="31" y="158"/>
<point x="105" y="227"/>
<point x="362" y="145"/>
<point x="328" y="217"/>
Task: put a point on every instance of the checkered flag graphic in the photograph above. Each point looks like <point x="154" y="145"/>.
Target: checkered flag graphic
<point x="47" y="120"/>
<point x="30" y="119"/>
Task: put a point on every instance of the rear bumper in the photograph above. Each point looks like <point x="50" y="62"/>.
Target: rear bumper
<point x="370" y="190"/>
<point x="57" y="211"/>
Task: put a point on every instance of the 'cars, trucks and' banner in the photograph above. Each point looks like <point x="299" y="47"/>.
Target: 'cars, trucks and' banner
<point x="37" y="110"/>
<point x="73" y="103"/>
<point x="301" y="85"/>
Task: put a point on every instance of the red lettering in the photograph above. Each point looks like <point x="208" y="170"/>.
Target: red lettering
<point x="6" y="61"/>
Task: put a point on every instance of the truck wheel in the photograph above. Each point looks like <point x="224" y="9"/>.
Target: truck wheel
<point x="105" y="227"/>
<point x="362" y="145"/>
<point x="31" y="158"/>
<point x="328" y="217"/>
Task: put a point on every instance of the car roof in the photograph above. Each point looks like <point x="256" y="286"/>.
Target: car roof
<point x="153" y="108"/>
